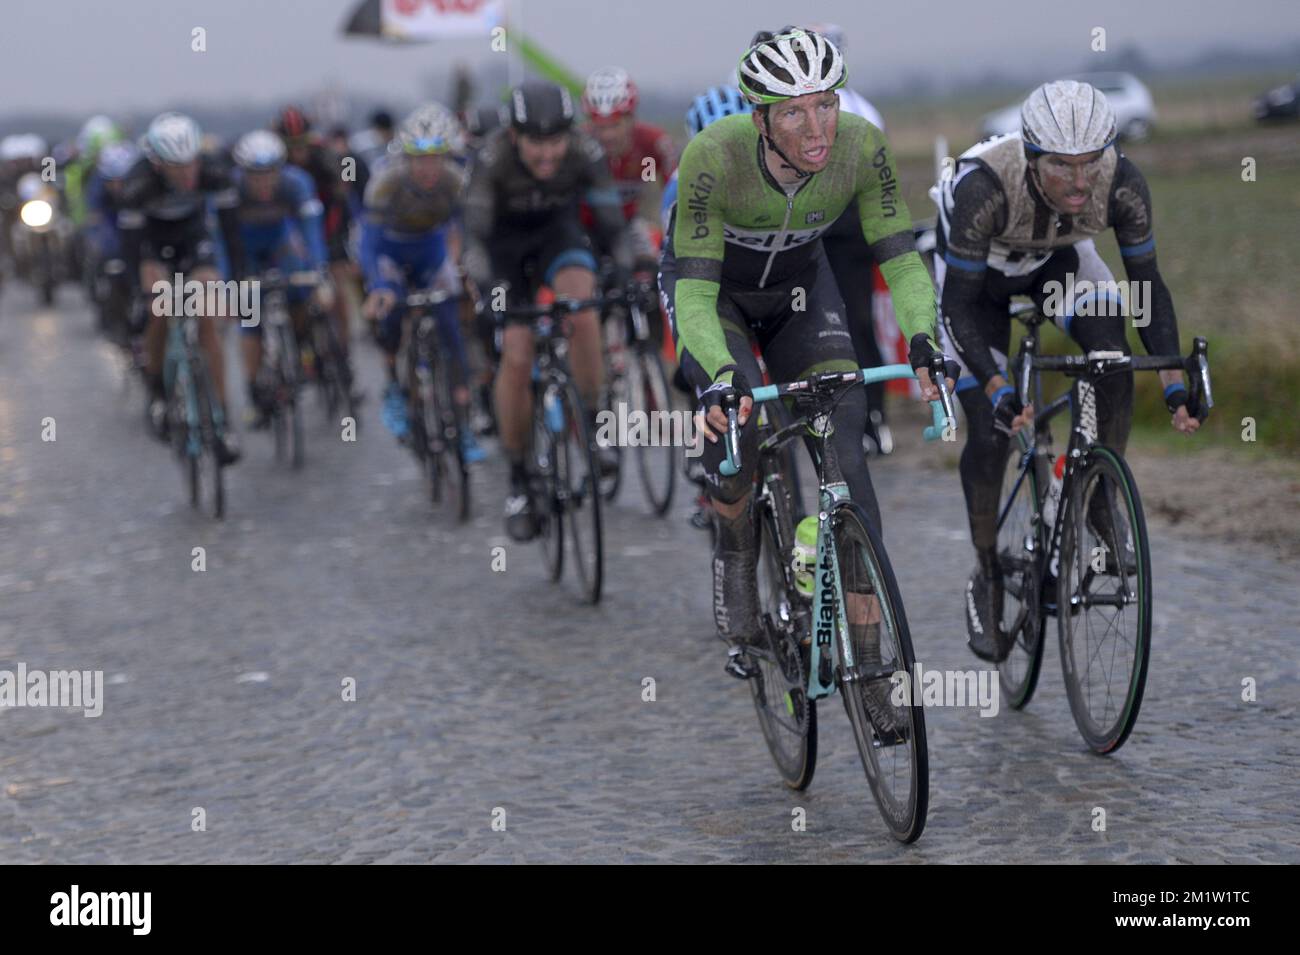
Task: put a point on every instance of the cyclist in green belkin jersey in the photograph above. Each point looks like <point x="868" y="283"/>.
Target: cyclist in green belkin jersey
<point x="743" y="262"/>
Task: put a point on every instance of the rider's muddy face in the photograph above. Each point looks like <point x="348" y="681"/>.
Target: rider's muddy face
<point x="803" y="128"/>
<point x="1067" y="181"/>
<point x="541" y="155"/>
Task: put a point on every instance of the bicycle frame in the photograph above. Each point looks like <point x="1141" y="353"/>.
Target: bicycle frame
<point x="1085" y="369"/>
<point x="828" y="610"/>
<point x="182" y="346"/>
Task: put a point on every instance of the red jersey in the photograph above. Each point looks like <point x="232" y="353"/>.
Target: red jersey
<point x="648" y="142"/>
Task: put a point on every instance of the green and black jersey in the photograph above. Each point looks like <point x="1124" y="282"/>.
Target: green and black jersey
<point x="735" y="225"/>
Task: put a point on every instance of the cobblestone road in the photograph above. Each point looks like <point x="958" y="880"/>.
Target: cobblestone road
<point x="478" y="690"/>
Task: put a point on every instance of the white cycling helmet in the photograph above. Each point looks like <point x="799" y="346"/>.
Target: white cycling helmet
<point x="1066" y="117"/>
<point x="22" y="146"/>
<point x="609" y="92"/>
<point x="432" y="128"/>
<point x="116" y="160"/>
<point x="789" y="64"/>
<point x="173" y="138"/>
<point x="259" y="150"/>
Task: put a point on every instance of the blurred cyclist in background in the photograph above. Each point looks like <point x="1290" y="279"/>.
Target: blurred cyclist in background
<point x="637" y="153"/>
<point x="308" y="152"/>
<point x="409" y="243"/>
<point x="170" y="189"/>
<point x="97" y="132"/>
<point x="280" y="227"/>
<point x="371" y="144"/>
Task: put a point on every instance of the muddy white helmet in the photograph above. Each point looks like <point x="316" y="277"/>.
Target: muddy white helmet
<point x="792" y="63"/>
<point x="1066" y="117"/>
<point x="432" y="128"/>
<point x="173" y="138"/>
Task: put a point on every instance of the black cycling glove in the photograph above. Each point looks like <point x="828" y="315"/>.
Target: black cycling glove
<point x="714" y="395"/>
<point x="920" y="351"/>
<point x="1006" y="408"/>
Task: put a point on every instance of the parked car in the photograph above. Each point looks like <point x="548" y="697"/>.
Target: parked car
<point x="1280" y="103"/>
<point x="1135" y="111"/>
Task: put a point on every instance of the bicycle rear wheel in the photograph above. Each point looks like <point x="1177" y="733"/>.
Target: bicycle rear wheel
<point x="580" y="492"/>
<point x="292" y="404"/>
<point x="1020" y="548"/>
<point x="786" y="714"/>
<point x="1104" y="601"/>
<point x="332" y="370"/>
<point x="895" y="758"/>
<point x="649" y="392"/>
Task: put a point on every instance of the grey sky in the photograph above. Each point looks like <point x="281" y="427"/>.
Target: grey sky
<point x="84" y="55"/>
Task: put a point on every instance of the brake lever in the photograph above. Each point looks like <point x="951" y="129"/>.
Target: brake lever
<point x="1199" y="372"/>
<point x="1026" y="366"/>
<point x="939" y="377"/>
<point x="731" y="466"/>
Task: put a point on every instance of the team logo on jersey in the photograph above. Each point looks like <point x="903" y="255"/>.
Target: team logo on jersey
<point x="764" y="240"/>
<point x="698" y="203"/>
<point x="812" y="217"/>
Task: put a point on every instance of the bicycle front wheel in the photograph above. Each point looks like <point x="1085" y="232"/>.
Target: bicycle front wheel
<point x="548" y="465"/>
<point x="581" y="497"/>
<point x="1020" y="547"/>
<point x="875" y="677"/>
<point x="1104" y="601"/>
<point x="449" y="453"/>
<point x="209" y="494"/>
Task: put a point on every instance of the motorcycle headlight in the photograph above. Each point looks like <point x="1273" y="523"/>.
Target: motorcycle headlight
<point x="36" y="213"/>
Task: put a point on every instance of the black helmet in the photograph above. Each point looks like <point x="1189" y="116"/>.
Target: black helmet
<point x="540" y="109"/>
<point x="481" y="120"/>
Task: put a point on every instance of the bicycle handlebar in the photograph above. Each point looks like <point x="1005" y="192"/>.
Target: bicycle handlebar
<point x="428" y="297"/>
<point x="1196" y="365"/>
<point x="303" y="278"/>
<point x="561" y="306"/>
<point x="941" y="410"/>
